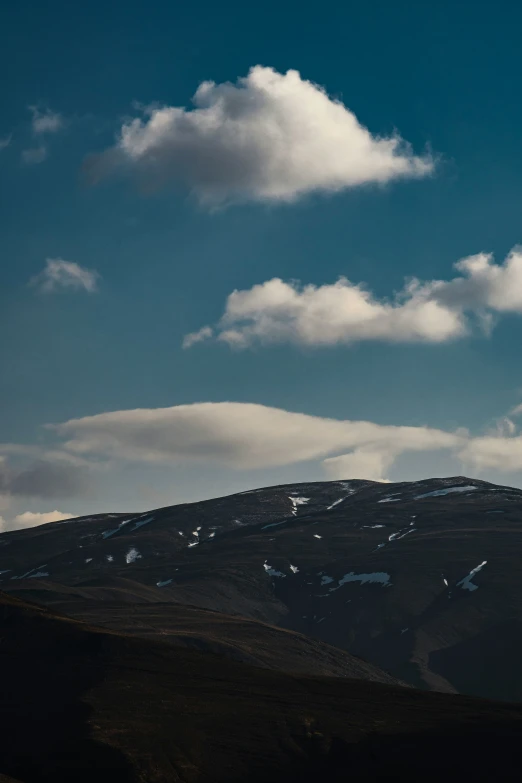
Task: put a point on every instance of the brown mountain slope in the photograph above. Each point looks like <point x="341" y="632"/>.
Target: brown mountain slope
<point x="420" y="578"/>
<point x="234" y="637"/>
<point x="78" y="703"/>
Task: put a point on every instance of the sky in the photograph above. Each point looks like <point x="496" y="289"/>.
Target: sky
<point x="247" y="245"/>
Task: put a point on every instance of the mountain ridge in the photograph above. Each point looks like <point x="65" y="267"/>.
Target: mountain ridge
<point x="403" y="575"/>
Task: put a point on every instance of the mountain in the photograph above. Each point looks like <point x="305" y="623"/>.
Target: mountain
<point x="79" y="702"/>
<point x="420" y="579"/>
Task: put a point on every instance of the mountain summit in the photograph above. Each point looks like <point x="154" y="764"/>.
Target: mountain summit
<point x="420" y="579"/>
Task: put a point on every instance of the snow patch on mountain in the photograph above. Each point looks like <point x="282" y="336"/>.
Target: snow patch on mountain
<point x="390" y="499"/>
<point x="401" y="533"/>
<point x="466" y="583"/>
<point x="31" y="571"/>
<point x="297" y="501"/>
<point x="273" y="524"/>
<point x="447" y="491"/>
<point x="377" y="577"/>
<point x="109" y="533"/>
<point x="272" y="571"/>
<point x="336" y="503"/>
<point x="132" y="555"/>
<point x="326" y="580"/>
<point x="142" y="522"/>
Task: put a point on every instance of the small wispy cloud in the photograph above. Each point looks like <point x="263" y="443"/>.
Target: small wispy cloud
<point x="59" y="274"/>
<point x="197" y="337"/>
<point x="5" y="141"/>
<point x="34" y="155"/>
<point x="45" y="121"/>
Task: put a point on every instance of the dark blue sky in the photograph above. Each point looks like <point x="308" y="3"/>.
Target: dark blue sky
<point x="444" y="75"/>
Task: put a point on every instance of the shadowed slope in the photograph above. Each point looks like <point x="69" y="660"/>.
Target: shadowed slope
<point x="77" y="701"/>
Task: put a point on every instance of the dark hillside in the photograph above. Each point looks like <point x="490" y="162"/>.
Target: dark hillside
<point x="78" y="703"/>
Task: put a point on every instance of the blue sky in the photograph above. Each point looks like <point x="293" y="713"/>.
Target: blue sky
<point x="443" y="76"/>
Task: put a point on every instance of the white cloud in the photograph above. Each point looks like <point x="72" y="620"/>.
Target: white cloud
<point x="205" y="333"/>
<point x="45" y="121"/>
<point x="41" y="453"/>
<point x="202" y="334"/>
<point x="343" y="312"/>
<point x="65" y="274"/>
<point x="5" y="141"/>
<point x="34" y="155"/>
<point x="366" y="463"/>
<point x="243" y="437"/>
<point x="32" y="519"/>
<point x="504" y="427"/>
<point x="246" y="436"/>
<point x="497" y="452"/>
<point x="482" y="284"/>
<point x="270" y="137"/>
